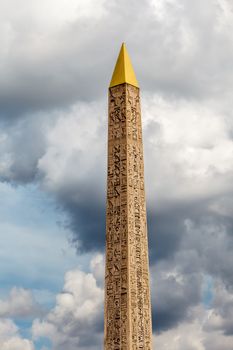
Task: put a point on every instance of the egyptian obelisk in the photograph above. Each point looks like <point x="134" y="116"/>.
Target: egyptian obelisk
<point x="127" y="316"/>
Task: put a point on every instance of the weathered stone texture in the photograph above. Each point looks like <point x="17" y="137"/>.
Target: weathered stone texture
<point x="127" y="291"/>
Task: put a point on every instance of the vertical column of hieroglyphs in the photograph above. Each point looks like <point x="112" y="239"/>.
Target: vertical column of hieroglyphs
<point x="140" y="306"/>
<point x="127" y="294"/>
<point x="116" y="276"/>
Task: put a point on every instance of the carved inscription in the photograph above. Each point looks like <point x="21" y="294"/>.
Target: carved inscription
<point x="127" y="292"/>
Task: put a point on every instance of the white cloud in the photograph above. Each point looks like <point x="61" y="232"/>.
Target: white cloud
<point x="75" y="318"/>
<point x="74" y="146"/>
<point x="220" y="318"/>
<point x="20" y="303"/>
<point x="185" y="337"/>
<point x="193" y="335"/>
<point x="10" y="338"/>
<point x="97" y="266"/>
<point x="49" y="12"/>
<point x="191" y="143"/>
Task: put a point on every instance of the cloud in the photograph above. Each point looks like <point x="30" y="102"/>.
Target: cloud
<point x="173" y="294"/>
<point x="190" y="142"/>
<point x="185" y="135"/>
<point x="189" y="211"/>
<point x="19" y="304"/>
<point x="77" y="318"/>
<point x="178" y="279"/>
<point x="22" y="144"/>
<point x="221" y="316"/>
<point x="51" y="70"/>
<point x="55" y="67"/>
<point x="75" y="172"/>
<point x="186" y="227"/>
<point x="193" y="334"/>
<point x="97" y="267"/>
<point x="10" y="338"/>
<point x="34" y="76"/>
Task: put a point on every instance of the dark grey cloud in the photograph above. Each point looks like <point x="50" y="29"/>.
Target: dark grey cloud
<point x="172" y="299"/>
<point x="186" y="243"/>
<point x="87" y="222"/>
<point x="23" y="145"/>
<point x="188" y="234"/>
<point x="205" y="249"/>
<point x="165" y="232"/>
<point x="176" y="53"/>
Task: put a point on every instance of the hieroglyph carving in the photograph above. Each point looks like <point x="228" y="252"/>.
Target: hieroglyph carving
<point x="127" y="290"/>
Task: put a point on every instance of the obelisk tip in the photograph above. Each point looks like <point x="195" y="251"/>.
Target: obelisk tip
<point x="123" y="72"/>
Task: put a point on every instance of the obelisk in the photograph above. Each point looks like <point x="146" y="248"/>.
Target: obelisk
<point x="127" y="316"/>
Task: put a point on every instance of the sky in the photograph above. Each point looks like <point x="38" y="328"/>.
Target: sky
<point x="56" y="62"/>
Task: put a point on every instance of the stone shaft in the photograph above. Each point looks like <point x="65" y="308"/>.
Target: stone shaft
<point x="127" y="289"/>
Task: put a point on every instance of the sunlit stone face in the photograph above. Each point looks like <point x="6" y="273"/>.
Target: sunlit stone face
<point x="127" y="293"/>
